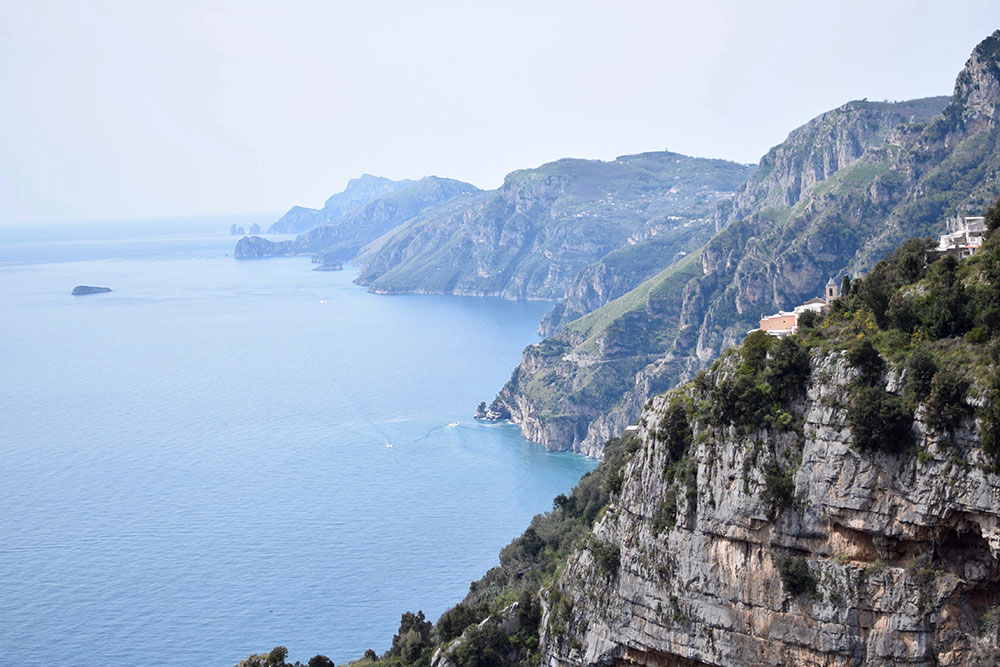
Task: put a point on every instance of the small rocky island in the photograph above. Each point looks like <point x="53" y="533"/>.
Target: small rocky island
<point x="81" y="290"/>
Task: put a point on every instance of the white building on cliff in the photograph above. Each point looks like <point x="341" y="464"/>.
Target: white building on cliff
<point x="965" y="240"/>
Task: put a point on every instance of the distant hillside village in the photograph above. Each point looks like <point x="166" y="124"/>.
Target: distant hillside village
<point x="962" y="242"/>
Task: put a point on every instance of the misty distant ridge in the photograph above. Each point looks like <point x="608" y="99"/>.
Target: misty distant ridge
<point x="359" y="191"/>
<point x="638" y="252"/>
<point x="527" y="239"/>
<point x="368" y="187"/>
<point x="373" y="206"/>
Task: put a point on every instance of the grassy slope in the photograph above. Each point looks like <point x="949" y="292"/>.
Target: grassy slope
<point x="665" y="285"/>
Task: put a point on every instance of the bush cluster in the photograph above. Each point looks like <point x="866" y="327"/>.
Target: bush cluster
<point x="606" y="555"/>
<point x="922" y="310"/>
<point x="946" y="406"/>
<point x="795" y="575"/>
<point x="779" y="488"/>
<point x="916" y="292"/>
<point x="989" y="433"/>
<point x="772" y="374"/>
<point x="877" y="419"/>
<point x="276" y="658"/>
<point x="675" y="429"/>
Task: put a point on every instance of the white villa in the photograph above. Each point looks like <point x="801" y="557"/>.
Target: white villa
<point x="964" y="241"/>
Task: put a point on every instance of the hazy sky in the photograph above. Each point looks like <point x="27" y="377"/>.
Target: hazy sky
<point x="141" y="108"/>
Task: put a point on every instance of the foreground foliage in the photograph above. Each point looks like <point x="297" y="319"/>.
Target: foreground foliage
<point x="921" y="315"/>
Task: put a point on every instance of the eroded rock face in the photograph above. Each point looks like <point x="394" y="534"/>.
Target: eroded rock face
<point x="822" y="147"/>
<point x="897" y="555"/>
<point x="978" y="86"/>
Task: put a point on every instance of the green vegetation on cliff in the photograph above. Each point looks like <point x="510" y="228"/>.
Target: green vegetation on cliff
<point x="789" y="474"/>
<point x="921" y="337"/>
<point x="848" y="470"/>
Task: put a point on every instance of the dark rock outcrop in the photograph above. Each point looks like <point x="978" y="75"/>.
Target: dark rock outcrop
<point x="83" y="290"/>
<point x="330" y="266"/>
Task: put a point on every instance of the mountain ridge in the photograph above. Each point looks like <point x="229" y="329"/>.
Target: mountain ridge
<point x="341" y="239"/>
<point x="530" y="237"/>
<point x="825" y="498"/>
<point x="924" y="175"/>
<point x="359" y="191"/>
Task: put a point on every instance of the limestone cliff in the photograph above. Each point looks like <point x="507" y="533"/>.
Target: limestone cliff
<point x="872" y="558"/>
<point x="822" y="147"/>
<point x="828" y="498"/>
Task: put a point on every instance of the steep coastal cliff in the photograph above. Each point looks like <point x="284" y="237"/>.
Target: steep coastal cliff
<point x="831" y="498"/>
<point x="822" y="147"/>
<point x="789" y="547"/>
<point x="782" y="242"/>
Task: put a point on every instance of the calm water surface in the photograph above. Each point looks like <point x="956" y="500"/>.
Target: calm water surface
<point x="221" y="456"/>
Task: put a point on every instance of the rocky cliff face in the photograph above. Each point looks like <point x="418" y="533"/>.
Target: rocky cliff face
<point x="869" y="558"/>
<point x="783" y="240"/>
<point x="978" y="86"/>
<point x="822" y="147"/>
<point x="530" y="238"/>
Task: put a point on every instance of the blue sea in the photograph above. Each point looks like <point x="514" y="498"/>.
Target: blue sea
<point x="223" y="456"/>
